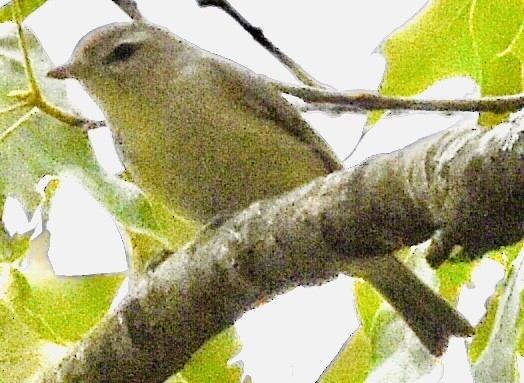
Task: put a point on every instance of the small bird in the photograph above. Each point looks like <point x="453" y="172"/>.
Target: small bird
<point x="207" y="137"/>
<point x="197" y="133"/>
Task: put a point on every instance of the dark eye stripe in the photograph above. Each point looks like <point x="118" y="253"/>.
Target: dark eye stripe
<point x="122" y="52"/>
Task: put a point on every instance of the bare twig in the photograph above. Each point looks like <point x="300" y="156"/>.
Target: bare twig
<point x="363" y="101"/>
<point x="320" y="97"/>
<point x="130" y="8"/>
<point x="259" y="37"/>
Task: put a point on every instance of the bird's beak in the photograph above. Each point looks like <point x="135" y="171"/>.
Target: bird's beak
<point x="61" y="72"/>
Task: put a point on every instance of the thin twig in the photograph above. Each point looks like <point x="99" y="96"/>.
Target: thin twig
<point x="362" y="101"/>
<point x="60" y="114"/>
<point x="93" y="124"/>
<point x="319" y="97"/>
<point x="130" y="8"/>
<point x="259" y="37"/>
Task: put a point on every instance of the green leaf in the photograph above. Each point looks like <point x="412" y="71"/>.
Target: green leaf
<point x="26" y="8"/>
<point x="354" y="363"/>
<point x="13" y="248"/>
<point x="517" y="45"/>
<point x="209" y="364"/>
<point x="16" y="291"/>
<point x="368" y="302"/>
<point x="390" y="350"/>
<point x="501" y="71"/>
<point x="60" y="308"/>
<point x="520" y="321"/>
<point x="71" y="306"/>
<point x="19" y="348"/>
<point x="452" y="276"/>
<point x="483" y="330"/>
<point x="480" y="39"/>
<point x="435" y="45"/>
<point x="494" y="25"/>
<point x="40" y="145"/>
<point x="505" y="256"/>
<point x="398" y="355"/>
<point x="23" y="334"/>
<point x="497" y="362"/>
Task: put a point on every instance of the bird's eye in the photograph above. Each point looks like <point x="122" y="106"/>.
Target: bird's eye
<point x="122" y="52"/>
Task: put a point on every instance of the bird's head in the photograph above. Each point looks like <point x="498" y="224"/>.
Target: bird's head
<point x="120" y="57"/>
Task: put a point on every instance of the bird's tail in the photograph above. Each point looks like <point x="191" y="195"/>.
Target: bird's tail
<point x="430" y="317"/>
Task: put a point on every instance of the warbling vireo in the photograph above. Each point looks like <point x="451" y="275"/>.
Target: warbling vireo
<point x="205" y="137"/>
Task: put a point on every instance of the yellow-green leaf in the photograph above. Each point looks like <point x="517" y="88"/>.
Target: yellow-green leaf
<point x="497" y="360"/>
<point x="19" y="348"/>
<point x="209" y="364"/>
<point x="452" y="276"/>
<point x="354" y="363"/>
<point x="26" y="8"/>
<point x="481" y="39"/>
<point x="434" y="45"/>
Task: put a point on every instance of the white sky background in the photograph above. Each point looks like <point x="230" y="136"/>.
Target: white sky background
<point x="294" y="337"/>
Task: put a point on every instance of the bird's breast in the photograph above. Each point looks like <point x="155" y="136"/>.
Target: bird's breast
<point x="203" y="156"/>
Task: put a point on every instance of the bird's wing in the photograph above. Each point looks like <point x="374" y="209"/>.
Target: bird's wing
<point x="264" y="100"/>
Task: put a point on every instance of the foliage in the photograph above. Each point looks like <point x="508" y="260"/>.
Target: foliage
<point x="450" y="38"/>
<point x="26" y="8"/>
<point x="457" y="38"/>
<point x="34" y="145"/>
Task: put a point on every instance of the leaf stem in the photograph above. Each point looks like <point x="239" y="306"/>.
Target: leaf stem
<point x="25" y="53"/>
<point x="33" y="96"/>
<point x="10" y="108"/>
<point x="19" y="122"/>
<point x="61" y="115"/>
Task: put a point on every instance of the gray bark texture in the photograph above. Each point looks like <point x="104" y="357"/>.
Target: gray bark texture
<point x="463" y="186"/>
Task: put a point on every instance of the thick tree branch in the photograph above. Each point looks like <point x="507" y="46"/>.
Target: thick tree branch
<point x="466" y="182"/>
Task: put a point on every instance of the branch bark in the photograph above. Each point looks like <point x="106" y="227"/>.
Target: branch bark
<point x="466" y="183"/>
